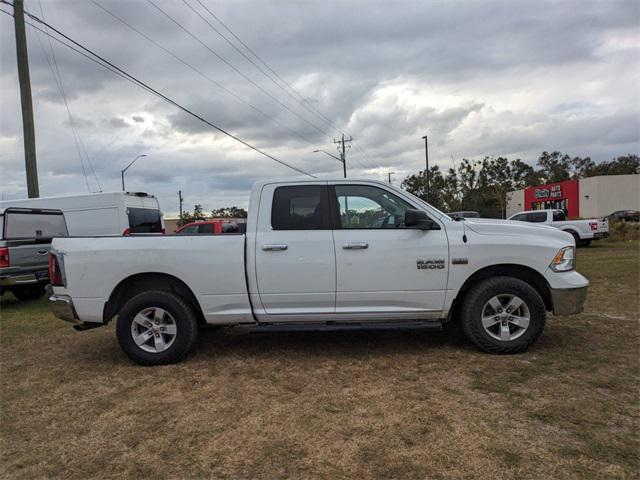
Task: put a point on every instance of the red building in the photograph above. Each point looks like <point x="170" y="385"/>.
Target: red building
<point x="561" y="195"/>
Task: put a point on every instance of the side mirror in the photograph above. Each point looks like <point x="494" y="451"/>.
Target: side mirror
<point x="420" y="220"/>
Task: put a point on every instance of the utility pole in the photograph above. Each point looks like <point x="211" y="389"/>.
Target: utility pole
<point x="390" y="173"/>
<point x="29" y="135"/>
<point x="180" y="199"/>
<point x="426" y="156"/>
<point x="343" y="156"/>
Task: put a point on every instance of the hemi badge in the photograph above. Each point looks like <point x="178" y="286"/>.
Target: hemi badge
<point x="459" y="261"/>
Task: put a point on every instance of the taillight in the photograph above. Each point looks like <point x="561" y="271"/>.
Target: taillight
<point x="4" y="257"/>
<point x="55" y="274"/>
<point x="593" y="225"/>
<point x="164" y="231"/>
<point x="127" y="232"/>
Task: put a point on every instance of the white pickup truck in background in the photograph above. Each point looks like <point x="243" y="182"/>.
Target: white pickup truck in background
<point x="322" y="254"/>
<point x="583" y="231"/>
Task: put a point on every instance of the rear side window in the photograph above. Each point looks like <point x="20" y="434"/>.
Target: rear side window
<point x="537" y="217"/>
<point x="34" y="225"/>
<point x="229" y="228"/>
<point x="301" y="207"/>
<point x="559" y="216"/>
<point x="521" y="217"/>
<point x="206" y="228"/>
<point x="144" y="220"/>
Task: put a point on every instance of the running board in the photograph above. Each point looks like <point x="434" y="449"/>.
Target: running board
<point x="333" y="327"/>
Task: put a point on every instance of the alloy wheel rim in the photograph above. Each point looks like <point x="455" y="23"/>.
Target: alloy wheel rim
<point x="505" y="317"/>
<point x="154" y="329"/>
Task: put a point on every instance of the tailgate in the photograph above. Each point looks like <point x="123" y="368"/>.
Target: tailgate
<point x="29" y="256"/>
<point x="600" y="225"/>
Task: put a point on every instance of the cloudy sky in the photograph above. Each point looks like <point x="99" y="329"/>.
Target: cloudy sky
<point x="508" y="78"/>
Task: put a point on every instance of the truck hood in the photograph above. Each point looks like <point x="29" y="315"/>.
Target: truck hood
<point x="490" y="226"/>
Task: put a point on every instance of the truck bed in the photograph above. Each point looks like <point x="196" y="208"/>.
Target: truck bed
<point x="213" y="266"/>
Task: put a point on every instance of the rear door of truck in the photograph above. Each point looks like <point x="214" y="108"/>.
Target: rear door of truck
<point x="295" y="263"/>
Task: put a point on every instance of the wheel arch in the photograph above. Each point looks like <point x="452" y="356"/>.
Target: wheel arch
<point x="521" y="272"/>
<point x="142" y="282"/>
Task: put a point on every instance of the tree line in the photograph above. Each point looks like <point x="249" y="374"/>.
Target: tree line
<point x="199" y="214"/>
<point x="482" y="185"/>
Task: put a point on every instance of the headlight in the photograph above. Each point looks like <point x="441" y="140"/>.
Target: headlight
<point x="564" y="260"/>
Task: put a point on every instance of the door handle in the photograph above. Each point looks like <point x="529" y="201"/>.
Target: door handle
<point x="355" y="245"/>
<point x="274" y="247"/>
<point x="43" y="252"/>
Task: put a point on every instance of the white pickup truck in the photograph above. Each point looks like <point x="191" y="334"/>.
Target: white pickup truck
<point x="322" y="254"/>
<point x="583" y="231"/>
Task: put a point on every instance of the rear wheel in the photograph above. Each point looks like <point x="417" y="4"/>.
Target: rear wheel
<point x="156" y="328"/>
<point x="584" y="243"/>
<point x="503" y="315"/>
<point x="27" y="293"/>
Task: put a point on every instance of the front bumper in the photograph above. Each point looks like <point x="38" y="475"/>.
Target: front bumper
<point x="568" y="301"/>
<point x="62" y="307"/>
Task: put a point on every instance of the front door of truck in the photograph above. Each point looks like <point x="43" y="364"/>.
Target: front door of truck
<point x="294" y="252"/>
<point x="384" y="269"/>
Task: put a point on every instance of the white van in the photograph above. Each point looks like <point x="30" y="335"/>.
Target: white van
<point x="111" y="214"/>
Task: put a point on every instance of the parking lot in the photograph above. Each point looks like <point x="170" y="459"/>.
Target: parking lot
<point x="327" y="405"/>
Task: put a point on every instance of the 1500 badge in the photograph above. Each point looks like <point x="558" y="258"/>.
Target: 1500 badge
<point x="430" y="264"/>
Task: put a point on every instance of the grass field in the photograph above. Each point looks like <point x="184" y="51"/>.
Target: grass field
<point x="331" y="405"/>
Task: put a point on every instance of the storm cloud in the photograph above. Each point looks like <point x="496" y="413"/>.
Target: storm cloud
<point x="479" y="78"/>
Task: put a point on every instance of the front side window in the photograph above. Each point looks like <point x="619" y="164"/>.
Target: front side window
<point x="364" y="206"/>
<point x="206" y="228"/>
<point x="302" y="207"/>
<point x="521" y="217"/>
<point x="34" y="225"/>
<point x="144" y="220"/>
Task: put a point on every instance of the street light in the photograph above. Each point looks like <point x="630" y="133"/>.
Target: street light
<point x="390" y="173"/>
<point x="127" y="168"/>
<point x="344" y="164"/>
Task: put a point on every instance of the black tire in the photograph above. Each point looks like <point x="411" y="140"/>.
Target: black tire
<point x="584" y="243"/>
<point x="576" y="237"/>
<point x="185" y="323"/>
<point x="477" y="298"/>
<point x="28" y="293"/>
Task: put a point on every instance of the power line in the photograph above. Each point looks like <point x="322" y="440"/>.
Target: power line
<point x="289" y="86"/>
<point x="301" y="100"/>
<point x="73" y="132"/>
<point x="110" y="66"/>
<point x="235" y="69"/>
<point x="76" y="134"/>
<point x="201" y="73"/>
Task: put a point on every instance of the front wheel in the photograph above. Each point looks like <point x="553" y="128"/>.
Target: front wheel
<point x="503" y="315"/>
<point x="156" y="328"/>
